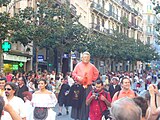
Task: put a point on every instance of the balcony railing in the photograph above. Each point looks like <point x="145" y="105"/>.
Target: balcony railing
<point x="152" y="22"/>
<point x="73" y="10"/>
<point x="125" y="5"/>
<point x="149" y="32"/>
<point x="134" y="25"/>
<point x="139" y="14"/>
<point x="140" y="28"/>
<point x="101" y="29"/>
<point x="100" y="9"/>
<point x="117" y="2"/>
<point x="129" y="24"/>
<point x="108" y="31"/>
<point x="95" y="26"/>
<point x="113" y="15"/>
<point x="97" y="6"/>
<point x="135" y="11"/>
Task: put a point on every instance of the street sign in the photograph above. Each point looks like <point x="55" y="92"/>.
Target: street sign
<point x="40" y="58"/>
<point x="73" y="55"/>
<point x="6" y="46"/>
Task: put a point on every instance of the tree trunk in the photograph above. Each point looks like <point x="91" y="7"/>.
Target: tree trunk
<point x="1" y="57"/>
<point x="37" y="49"/>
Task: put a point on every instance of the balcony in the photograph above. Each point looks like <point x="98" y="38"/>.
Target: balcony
<point x="129" y="24"/>
<point x="108" y="31"/>
<point x="135" y="12"/>
<point x="149" y="33"/>
<point x="136" y="1"/>
<point x="73" y="10"/>
<point x="140" y="28"/>
<point x="98" y="8"/>
<point x="95" y="26"/>
<point x="152" y="22"/>
<point x="126" y="6"/>
<point x="115" y="17"/>
<point x="117" y="2"/>
<point x="140" y="15"/>
<point x="98" y="28"/>
<point x="112" y="14"/>
<point x="134" y="26"/>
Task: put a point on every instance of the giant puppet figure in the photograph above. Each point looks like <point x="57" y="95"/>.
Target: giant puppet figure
<point x="84" y="74"/>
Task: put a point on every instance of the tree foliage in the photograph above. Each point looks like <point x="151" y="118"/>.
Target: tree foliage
<point x="4" y="2"/>
<point x="52" y="26"/>
<point x="121" y="48"/>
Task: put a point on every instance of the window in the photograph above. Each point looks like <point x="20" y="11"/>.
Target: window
<point x="132" y="33"/>
<point x="148" y="40"/>
<point x="121" y="29"/>
<point x="102" y="22"/>
<point x="98" y="23"/>
<point x="110" y="8"/>
<point x="92" y="20"/>
<point x="98" y="20"/>
<point x="149" y="29"/>
<point x="128" y="33"/>
<point x="117" y="13"/>
<point x="113" y="9"/>
<point x="149" y="8"/>
<point x="149" y="18"/>
<point x="103" y="4"/>
<point x="117" y="28"/>
<point x="109" y="26"/>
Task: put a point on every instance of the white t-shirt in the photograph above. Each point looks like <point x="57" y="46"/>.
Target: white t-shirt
<point x="18" y="105"/>
<point x="29" y="109"/>
<point x="70" y="81"/>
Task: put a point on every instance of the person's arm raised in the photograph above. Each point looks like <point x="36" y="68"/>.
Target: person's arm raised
<point x="8" y="108"/>
<point x="154" y="110"/>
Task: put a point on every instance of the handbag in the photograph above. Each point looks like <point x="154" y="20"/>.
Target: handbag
<point x="105" y="113"/>
<point x="40" y="113"/>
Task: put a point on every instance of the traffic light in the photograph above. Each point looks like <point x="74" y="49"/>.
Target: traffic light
<point x="6" y="46"/>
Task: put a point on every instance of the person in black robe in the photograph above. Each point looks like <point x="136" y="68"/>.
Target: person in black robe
<point x="63" y="96"/>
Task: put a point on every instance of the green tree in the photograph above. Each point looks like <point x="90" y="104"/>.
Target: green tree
<point x="4" y="2"/>
<point x="49" y="26"/>
<point x="5" y="28"/>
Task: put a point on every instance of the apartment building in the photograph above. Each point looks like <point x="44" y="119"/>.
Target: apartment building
<point x="19" y="57"/>
<point x="106" y="16"/>
<point x="150" y="21"/>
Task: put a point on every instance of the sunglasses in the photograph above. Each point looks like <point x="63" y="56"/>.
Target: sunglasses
<point x="8" y="89"/>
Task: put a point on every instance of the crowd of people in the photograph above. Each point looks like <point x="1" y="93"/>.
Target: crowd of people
<point x="91" y="95"/>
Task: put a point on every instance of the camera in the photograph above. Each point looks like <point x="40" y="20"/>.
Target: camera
<point x="96" y="94"/>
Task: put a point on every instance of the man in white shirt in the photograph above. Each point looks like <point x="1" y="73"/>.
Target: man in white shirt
<point x="16" y="102"/>
<point x="53" y="75"/>
<point x="8" y="108"/>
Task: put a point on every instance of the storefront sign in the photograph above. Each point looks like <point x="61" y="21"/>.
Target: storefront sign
<point x="15" y="58"/>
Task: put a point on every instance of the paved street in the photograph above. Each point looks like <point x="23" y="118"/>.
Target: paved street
<point x="64" y="116"/>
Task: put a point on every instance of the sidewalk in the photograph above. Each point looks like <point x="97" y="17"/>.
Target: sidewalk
<point x="64" y="116"/>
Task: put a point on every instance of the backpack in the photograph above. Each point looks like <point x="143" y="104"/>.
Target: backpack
<point x="119" y="92"/>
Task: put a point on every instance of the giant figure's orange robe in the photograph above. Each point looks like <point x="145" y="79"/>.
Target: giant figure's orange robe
<point x="87" y="71"/>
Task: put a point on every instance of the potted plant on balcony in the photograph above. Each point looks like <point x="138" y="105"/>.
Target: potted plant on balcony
<point x="125" y="21"/>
